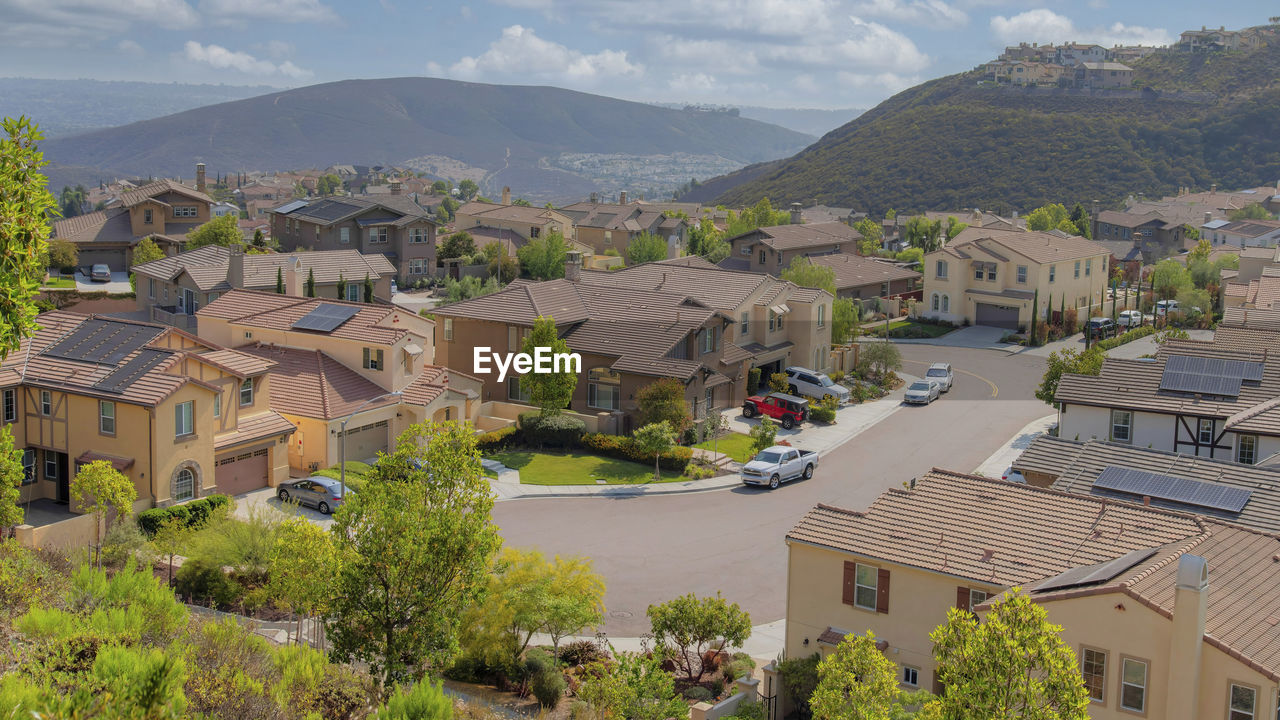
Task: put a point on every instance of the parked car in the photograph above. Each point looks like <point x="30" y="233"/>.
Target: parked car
<point x="1164" y="307"/>
<point x="921" y="392"/>
<point x="786" y="409"/>
<point x="1130" y="319"/>
<point x="941" y="373"/>
<point x="100" y="273"/>
<point x="1100" y="328"/>
<point x="778" y="464"/>
<point x="394" y="287"/>
<point x="322" y="493"/>
<point x="1013" y="476"/>
<point x="814" y="384"/>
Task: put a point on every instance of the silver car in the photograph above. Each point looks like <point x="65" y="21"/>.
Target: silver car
<point x="100" y="273"/>
<point x="814" y="384"/>
<point x="322" y="493"/>
<point x="941" y="373"/>
<point x="921" y="392"/>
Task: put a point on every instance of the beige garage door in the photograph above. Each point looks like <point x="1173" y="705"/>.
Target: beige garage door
<point x="241" y="472"/>
<point x="366" y="441"/>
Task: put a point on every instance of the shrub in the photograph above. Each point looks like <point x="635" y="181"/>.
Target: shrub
<point x="753" y="381"/>
<point x="581" y="652"/>
<point x="617" y="446"/>
<point x="123" y="541"/>
<point x="697" y="693"/>
<point x="694" y="471"/>
<point x="825" y="410"/>
<point x="191" y="514"/>
<point x="748" y="710"/>
<point x="740" y="665"/>
<point x="799" y="679"/>
<point x="563" y="431"/>
<point x="1125" y="337"/>
<point x="496" y="440"/>
<point x="779" y="382"/>
<point x="717" y="687"/>
<point x="202" y="581"/>
<point x="548" y="686"/>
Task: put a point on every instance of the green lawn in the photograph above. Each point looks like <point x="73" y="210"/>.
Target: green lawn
<point x="908" y="329"/>
<point x="58" y="282"/>
<point x="735" y="445"/>
<point x="356" y="472"/>
<point x="551" y="468"/>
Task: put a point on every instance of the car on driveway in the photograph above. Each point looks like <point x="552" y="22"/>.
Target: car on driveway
<point x="942" y="374"/>
<point x="786" y="409"/>
<point x="1100" y="328"/>
<point x="100" y="273"/>
<point x="1013" y="476"/>
<point x="921" y="392"/>
<point x="778" y="464"/>
<point x="1129" y="319"/>
<point x="814" y="384"/>
<point x="322" y="493"/>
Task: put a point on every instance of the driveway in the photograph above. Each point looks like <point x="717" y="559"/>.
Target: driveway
<point x="974" y="336"/>
<point x="119" y="283"/>
<point x="414" y="302"/>
<point x="265" y="498"/>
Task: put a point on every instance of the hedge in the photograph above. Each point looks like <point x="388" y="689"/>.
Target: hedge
<point x="1125" y="337"/>
<point x="561" y="431"/>
<point x="192" y="514"/>
<point x="496" y="440"/>
<point x="623" y="448"/>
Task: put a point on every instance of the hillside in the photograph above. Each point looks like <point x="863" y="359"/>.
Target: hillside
<point x="531" y="138"/>
<point x="951" y="143"/>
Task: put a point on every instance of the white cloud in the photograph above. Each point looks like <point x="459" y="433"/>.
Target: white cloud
<point x="64" y="22"/>
<point x="221" y="58"/>
<point x="519" y="51"/>
<point x="1042" y="25"/>
<point x="130" y="47"/>
<point x="288" y="11"/>
<point x="719" y="56"/>
<point x="868" y="47"/>
<point x="787" y="18"/>
<point x="933" y="13"/>
<point x="693" y="83"/>
<point x="276" y="48"/>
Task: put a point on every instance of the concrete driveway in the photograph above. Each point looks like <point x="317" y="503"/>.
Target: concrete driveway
<point x="119" y="283"/>
<point x="974" y="336"/>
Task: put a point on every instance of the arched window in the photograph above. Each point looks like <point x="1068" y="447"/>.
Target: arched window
<point x="602" y="388"/>
<point x="946" y="303"/>
<point x="184" y="485"/>
<point x="935" y="301"/>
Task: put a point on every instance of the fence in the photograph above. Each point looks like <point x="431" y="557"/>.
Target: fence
<point x="748" y="691"/>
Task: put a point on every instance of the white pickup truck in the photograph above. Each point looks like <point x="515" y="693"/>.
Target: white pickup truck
<point x="778" y="464"/>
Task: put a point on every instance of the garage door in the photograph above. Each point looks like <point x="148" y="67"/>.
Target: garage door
<point x="111" y="258"/>
<point x="367" y="441"/>
<point x="242" y="472"/>
<point x="1000" y="316"/>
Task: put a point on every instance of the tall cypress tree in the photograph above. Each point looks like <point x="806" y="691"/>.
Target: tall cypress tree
<point x="1035" y="315"/>
<point x="311" y="283"/>
<point x="368" y="288"/>
<point x="279" y="281"/>
<point x="342" y="286"/>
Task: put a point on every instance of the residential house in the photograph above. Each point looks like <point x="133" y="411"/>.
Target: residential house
<point x="612" y="226"/>
<point x="824" y="214"/>
<point x="170" y="290"/>
<point x="1132" y="53"/>
<point x="1213" y="399"/>
<point x="1222" y="39"/>
<point x="776" y="323"/>
<point x="1027" y="73"/>
<point x="181" y="417"/>
<point x="164" y="211"/>
<point x="393" y="225"/>
<point x="626" y="338"/>
<point x="1098" y="75"/>
<point x="991" y="277"/>
<point x="1254" y="260"/>
<point x="1033" y="52"/>
<point x="1242" y="233"/>
<point x="527" y="222"/>
<point x="868" y="278"/>
<point x="221" y="208"/>
<point x="338" y="361"/>
<point x="1261" y="293"/>
<point x="772" y="249"/>
<point x="1073" y="54"/>
<point x="1155" y="234"/>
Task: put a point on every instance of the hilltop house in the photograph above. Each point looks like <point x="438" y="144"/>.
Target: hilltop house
<point x="771" y="249"/>
<point x="1097" y="75"/>
<point x="1073" y="54"/>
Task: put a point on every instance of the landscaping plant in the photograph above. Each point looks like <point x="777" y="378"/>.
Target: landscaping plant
<point x="763" y="435"/>
<point x="654" y="439"/>
<point x="686" y="627"/>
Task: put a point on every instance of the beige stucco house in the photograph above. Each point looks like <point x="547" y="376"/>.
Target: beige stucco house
<point x="772" y="249"/>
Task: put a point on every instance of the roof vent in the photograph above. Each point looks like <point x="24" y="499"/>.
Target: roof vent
<point x="1193" y="573"/>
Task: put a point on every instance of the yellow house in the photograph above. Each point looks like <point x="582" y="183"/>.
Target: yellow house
<point x="986" y="276"/>
<point x="182" y="417"/>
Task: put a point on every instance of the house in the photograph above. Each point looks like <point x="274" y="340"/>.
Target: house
<point x="180" y="416"/>
<point x="865" y="278"/>
<point x="225" y="208"/>
<point x="771" y="249"/>
<point x="626" y="338"/>
<point x="991" y="277"/>
<point x="170" y="290"/>
<point x="1242" y="233"/>
<point x="1212" y="399"/>
<point x="527" y="222"/>
<point x="1096" y="75"/>
<point x="777" y="323"/>
<point x="337" y="361"/>
<point x="823" y="214"/>
<point x="612" y="226"/>
<point x="1155" y="234"/>
<point x="1073" y="54"/>
<point x="164" y="211"/>
<point x="1027" y="73"/>
<point x="1260" y="293"/>
<point x="1222" y="39"/>
<point x="1131" y="53"/>
<point x="1033" y="52"/>
<point x="392" y="225"/>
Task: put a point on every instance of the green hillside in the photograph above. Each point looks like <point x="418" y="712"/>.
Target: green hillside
<point x="952" y="143"/>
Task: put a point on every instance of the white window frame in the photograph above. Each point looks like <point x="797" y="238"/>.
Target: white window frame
<point x="246" y="386"/>
<point x="378" y="235"/>
<point x="859" y="586"/>
<point x="448" y="328"/>
<point x="178" y="494"/>
<point x="419" y="235"/>
<point x="353" y="292"/>
<point x="1053" y="272"/>
<point x="10" y="400"/>
<point x="1021" y="276"/>
<point x="1124" y="683"/>
<point x="940" y="270"/>
<point x="946" y="303"/>
<point x="594" y="389"/>
<point x="1084" y="651"/>
<point x="822" y="315"/>
<point x="1242" y="714"/>
<point x="46" y="403"/>
<point x="418" y="266"/>
<point x="1203" y="424"/>
<point x="148" y="217"/>
<point x="184" y="419"/>
<point x="744" y="324"/>
<point x="514" y="392"/>
<point x="185" y="211"/>
<point x="1252" y="455"/>
<point x="1128" y="426"/>
<point x="151" y="288"/>
<point x="936" y="303"/>
<point x="106" y="418"/>
<point x="1088" y="267"/>
<point x="28" y="466"/>
<point x="710" y="338"/>
<point x="217" y="404"/>
<point x="910" y="676"/>
<point x="50" y="465"/>
<point x="1077" y="268"/>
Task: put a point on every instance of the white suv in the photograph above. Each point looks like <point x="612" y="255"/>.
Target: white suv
<point x="814" y="384"/>
<point x="941" y="373"/>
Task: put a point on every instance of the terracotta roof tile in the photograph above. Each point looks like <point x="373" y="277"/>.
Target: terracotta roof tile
<point x="255" y="427"/>
<point x="857" y="271"/>
<point x="372" y="322"/>
<point x="793" y="237"/>
<point x="1035" y="246"/>
<point x="311" y="384"/>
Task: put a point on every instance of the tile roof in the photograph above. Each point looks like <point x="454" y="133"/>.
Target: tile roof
<point x="1128" y="219"/>
<point x="1251" y="318"/>
<point x="713" y="286"/>
<point x="255" y="427"/>
<point x="608" y="216"/>
<point x="207" y="267"/>
<point x="990" y="530"/>
<point x="510" y="213"/>
<point x="160" y="187"/>
<point x="509" y="239"/>
<point x="330" y="210"/>
<point x="236" y="362"/>
<point x="858" y="271"/>
<point x="312" y="384"/>
<point x="102" y="226"/>
<point x="373" y="322"/>
<point x="1036" y="246"/>
<point x="792" y="237"/>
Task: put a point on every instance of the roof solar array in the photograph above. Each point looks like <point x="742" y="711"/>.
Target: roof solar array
<point x="1174" y="489"/>
<point x="291" y="206"/>
<point x="330" y="209"/>
<point x="327" y="317"/>
<point x="103" y="342"/>
<point x="1198" y="383"/>
<point x="125" y="375"/>
<point x="1208" y="375"/>
<point x="1094" y="574"/>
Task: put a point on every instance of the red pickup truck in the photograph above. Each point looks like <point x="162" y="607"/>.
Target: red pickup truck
<point x="786" y="409"/>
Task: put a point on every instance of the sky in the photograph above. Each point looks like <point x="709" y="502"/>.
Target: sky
<point x="772" y="53"/>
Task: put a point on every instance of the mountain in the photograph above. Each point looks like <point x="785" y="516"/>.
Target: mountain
<point x="953" y="143"/>
<point x="811" y="121"/>
<point x="546" y="143"/>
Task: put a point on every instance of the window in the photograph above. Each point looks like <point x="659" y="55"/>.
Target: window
<point x="1121" y="426"/>
<point x="248" y="335"/>
<point x="1244" y="703"/>
<point x="1022" y="274"/>
<point x="1204" y="431"/>
<point x="978" y="271"/>
<point x="419" y="235"/>
<point x="991" y="271"/>
<point x="1133" y="685"/>
<point x="418" y="266"/>
<point x="448" y="328"/>
<point x="185" y="211"/>
<point x="1077" y="268"/>
<point x="353" y="292"/>
<point x="822" y="316"/>
<point x="744" y="324"/>
<point x="535" y="232"/>
<point x="1247" y="449"/>
<point x="710" y="396"/>
<point x="865" y="587"/>
<point x="608" y="237"/>
<point x="761" y="257"/>
<point x="910" y="676"/>
<point x="50" y="465"/>
<point x="946" y="303"/>
<point x="246" y="392"/>
<point x="184" y="485"/>
<point x="1053" y="272"/>
<point x="317" y="227"/>
<point x="183" y="419"/>
<point x="1093" y="666"/>
<point x="46" y="402"/>
<point x="884" y="289"/>
<point x="10" y="405"/>
<point x="377" y="235"/>
<point x="935" y="301"/>
<point x="602" y="388"/>
<point x="146" y="216"/>
<point x="745" y="250"/>
<point x="372" y="359"/>
<point x="710" y="340"/>
<point x="344" y="235"/>
<point x="515" y="392"/>
<point x="106" y="417"/>
<point x="151" y="288"/>
<point x="28" y="466"/>
<point x="940" y="270"/>
<point x="977" y="597"/>
<point x="165" y="292"/>
<point x="217" y="404"/>
<point x="1088" y="266"/>
<point x="773" y="320"/>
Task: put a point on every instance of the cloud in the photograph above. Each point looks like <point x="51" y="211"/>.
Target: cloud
<point x="277" y="49"/>
<point x="287" y="11"/>
<point x="933" y="13"/>
<point x="519" y="51"/>
<point x="867" y="47"/>
<point x="693" y="83"/>
<point x="63" y="22"/>
<point x="781" y="18"/>
<point x="130" y="47"/>
<point x="221" y="58"/>
<point x="1042" y="25"/>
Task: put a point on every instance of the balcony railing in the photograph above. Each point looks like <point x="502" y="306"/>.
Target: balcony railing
<point x="171" y="315"/>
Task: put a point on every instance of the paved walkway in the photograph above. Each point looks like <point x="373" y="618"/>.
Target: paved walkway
<point x="974" y="336"/>
<point x="1000" y="460"/>
<point x="414" y="302"/>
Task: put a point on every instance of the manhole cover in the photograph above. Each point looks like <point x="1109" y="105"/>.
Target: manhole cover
<point x="620" y="614"/>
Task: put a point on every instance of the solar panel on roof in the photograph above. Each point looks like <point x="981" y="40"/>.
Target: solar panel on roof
<point x="331" y="209"/>
<point x="291" y="206"/>
<point x="1207" y="375"/>
<point x="1174" y="489"/>
<point x="326" y="317"/>
<point x="102" y="341"/>
<point x="1094" y="574"/>
<point x="125" y="375"/>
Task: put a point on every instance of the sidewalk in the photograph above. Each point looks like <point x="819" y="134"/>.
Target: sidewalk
<point x="995" y="465"/>
<point x="765" y="643"/>
<point x="975" y="336"/>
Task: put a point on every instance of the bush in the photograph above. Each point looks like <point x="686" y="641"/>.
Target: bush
<point x="1125" y="337"/>
<point x="192" y="514"/>
<point x="748" y="710"/>
<point x="123" y="541"/>
<point x="694" y="471"/>
<point x="697" y="693"/>
<point x="799" y="680"/>
<point x="548" y="686"/>
<point x="617" y="446"/>
<point x="496" y="440"/>
<point x="740" y="665"/>
<point x="562" y="431"/>
<point x="582" y="652"/>
<point x="753" y="381"/>
<point x="825" y="410"/>
<point x="202" y="581"/>
<point x="779" y="382"/>
<point x="717" y="687"/>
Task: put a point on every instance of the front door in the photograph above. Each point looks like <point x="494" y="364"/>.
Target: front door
<point x="63" y="480"/>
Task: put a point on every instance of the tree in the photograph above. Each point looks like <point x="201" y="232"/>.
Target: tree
<point x="1013" y="664"/>
<point x="1035" y="314"/>
<point x="763" y="434"/>
<point x="654" y="439"/>
<point x="11" y="476"/>
<point x="224" y="231"/>
<point x="468" y="189"/>
<point x="636" y="688"/>
<point x="368" y="288"/>
<point x="872" y="234"/>
<point x="310" y="287"/>
<point x="342" y="286"/>
<point x="501" y="265"/>
<point x="63" y="254"/>
<point x="805" y="273"/>
<point x="1252" y="211"/>
<point x="145" y="252"/>
<point x="646" y="247"/>
<point x="551" y="391"/>
<point x="259" y="240"/>
<point x="923" y="233"/>
<point x="911" y="255"/>
<point x="1169" y="278"/>
<point x="328" y="184"/>
<point x="856" y="682"/>
<point x="1080" y="218"/>
<point x="440" y="187"/>
<point x="170" y="539"/>
<point x="759" y="215"/>
<point x="881" y="357"/>
<point x="99" y="488"/>
<point x="686" y="626"/>
<point x="1047" y="217"/>
<point x="543" y="258"/>
<point x="423" y="701"/>
<point x="301" y="566"/>
<point x="459" y="244"/>
<point x="844" y="319"/>
<point x="279" y="281"/>
<point x="71" y="201"/>
<point x="664" y="400"/>
<point x="414" y="549"/>
<point x="1061" y="362"/>
<point x="1200" y="252"/>
<point x="953" y="228"/>
<point x="24" y="230"/>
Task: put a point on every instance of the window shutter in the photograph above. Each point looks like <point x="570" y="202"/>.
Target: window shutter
<point x="882" y="591"/>
<point x="850" y="576"/>
<point x="962" y="598"/>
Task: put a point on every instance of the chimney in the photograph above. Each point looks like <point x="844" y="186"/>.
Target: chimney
<point x="573" y="266"/>
<point x="622" y="198"/>
<point x="395" y="188"/>
<point x="1208" y="216"/>
<point x="200" y="177"/>
<point x="235" y="266"/>
<point x="594" y="198"/>
<point x="1213" y="189"/>
<point x="797" y="215"/>
<point x="1190" y="602"/>
<point x="506" y="195"/>
<point x="293" y="278"/>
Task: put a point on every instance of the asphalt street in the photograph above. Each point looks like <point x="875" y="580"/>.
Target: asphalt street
<point x="650" y="549"/>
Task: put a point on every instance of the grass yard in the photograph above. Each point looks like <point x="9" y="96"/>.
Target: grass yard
<point x="356" y="472"/>
<point x="551" y="468"/>
<point x="59" y="282"/>
<point x="735" y="445"/>
<point x="908" y="329"/>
